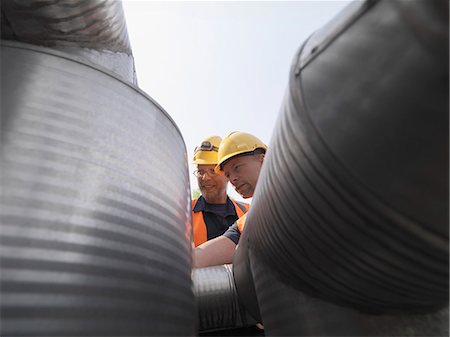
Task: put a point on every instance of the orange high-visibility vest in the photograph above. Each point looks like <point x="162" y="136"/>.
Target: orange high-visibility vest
<point x="241" y="222"/>
<point x="199" y="225"/>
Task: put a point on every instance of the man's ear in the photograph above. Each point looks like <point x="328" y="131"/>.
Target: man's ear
<point x="261" y="157"/>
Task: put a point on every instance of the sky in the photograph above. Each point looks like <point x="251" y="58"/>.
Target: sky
<point x="217" y="67"/>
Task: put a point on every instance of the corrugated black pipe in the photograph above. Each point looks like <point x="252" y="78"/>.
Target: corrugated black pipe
<point x="352" y="203"/>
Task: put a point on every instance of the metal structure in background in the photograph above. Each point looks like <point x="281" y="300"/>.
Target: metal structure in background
<point x="91" y="241"/>
<point x="359" y="243"/>
<point x="93" y="30"/>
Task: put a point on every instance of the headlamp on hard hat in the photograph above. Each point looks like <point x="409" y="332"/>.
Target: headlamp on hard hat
<point x="206" y="146"/>
<point x="206" y="153"/>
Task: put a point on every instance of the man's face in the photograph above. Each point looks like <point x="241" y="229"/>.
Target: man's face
<point x="243" y="173"/>
<point x="211" y="184"/>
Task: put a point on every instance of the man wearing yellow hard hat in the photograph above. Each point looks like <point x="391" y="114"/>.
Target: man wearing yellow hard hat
<point x="240" y="158"/>
<point x="213" y="212"/>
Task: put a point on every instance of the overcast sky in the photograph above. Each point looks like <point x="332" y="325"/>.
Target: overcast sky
<point x="218" y="67"/>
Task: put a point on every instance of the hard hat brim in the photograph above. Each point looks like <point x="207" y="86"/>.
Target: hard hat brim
<point x="218" y="168"/>
<point x="204" y="162"/>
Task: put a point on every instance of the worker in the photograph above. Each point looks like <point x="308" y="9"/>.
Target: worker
<point x="240" y="159"/>
<point x="213" y="212"/>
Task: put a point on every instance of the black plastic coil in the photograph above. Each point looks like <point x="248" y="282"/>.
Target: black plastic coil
<point x="95" y="201"/>
<point x="352" y="202"/>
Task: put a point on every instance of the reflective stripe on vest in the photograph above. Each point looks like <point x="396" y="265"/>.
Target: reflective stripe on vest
<point x="198" y="222"/>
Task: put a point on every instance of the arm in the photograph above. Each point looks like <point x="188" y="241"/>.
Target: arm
<point x="214" y="252"/>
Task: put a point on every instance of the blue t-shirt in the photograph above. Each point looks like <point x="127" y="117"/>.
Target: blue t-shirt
<point x="218" y="217"/>
<point x="233" y="233"/>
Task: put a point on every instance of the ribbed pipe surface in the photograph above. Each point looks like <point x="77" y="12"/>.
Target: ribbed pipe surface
<point x="96" y="24"/>
<point x="352" y="203"/>
<point x="93" y="30"/>
<point x="217" y="302"/>
<point x="286" y="311"/>
<point x="244" y="277"/>
<point x="94" y="204"/>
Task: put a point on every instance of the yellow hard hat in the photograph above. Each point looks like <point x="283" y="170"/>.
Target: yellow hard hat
<point x="206" y="153"/>
<point x="237" y="143"/>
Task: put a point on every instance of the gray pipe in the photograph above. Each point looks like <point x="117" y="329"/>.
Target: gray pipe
<point x="91" y="243"/>
<point x="218" y="305"/>
<point x="94" y="30"/>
